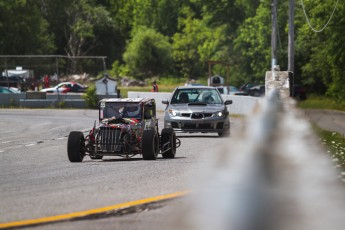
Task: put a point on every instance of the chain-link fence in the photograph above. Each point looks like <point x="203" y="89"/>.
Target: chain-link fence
<point x="27" y="72"/>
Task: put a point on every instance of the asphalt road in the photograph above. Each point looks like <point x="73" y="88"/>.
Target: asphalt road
<point x="328" y="119"/>
<point x="37" y="180"/>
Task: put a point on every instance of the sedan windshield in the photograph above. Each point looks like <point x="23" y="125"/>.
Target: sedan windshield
<point x="196" y="96"/>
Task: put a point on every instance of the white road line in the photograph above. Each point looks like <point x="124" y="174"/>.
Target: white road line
<point x="30" y="144"/>
<point x="5" y="142"/>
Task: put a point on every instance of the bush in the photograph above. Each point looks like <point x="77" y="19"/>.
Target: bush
<point x="90" y="97"/>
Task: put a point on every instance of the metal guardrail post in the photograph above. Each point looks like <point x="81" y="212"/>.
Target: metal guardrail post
<point x="271" y="174"/>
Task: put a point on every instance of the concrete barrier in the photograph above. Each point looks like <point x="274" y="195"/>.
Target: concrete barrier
<point x="43" y="100"/>
<point x="36" y="95"/>
<point x="7" y="99"/>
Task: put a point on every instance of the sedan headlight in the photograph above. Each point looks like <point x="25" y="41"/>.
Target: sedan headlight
<point x="218" y="114"/>
<point x="174" y="113"/>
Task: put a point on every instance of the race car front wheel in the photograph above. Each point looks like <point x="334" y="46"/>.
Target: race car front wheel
<point x="150" y="144"/>
<point x="76" y="146"/>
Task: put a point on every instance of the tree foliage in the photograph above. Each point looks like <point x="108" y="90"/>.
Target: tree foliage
<point x="23" y="30"/>
<point x="323" y="52"/>
<point x="180" y="36"/>
<point x="148" y="53"/>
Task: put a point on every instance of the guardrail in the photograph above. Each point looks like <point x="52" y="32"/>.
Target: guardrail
<point x="44" y="100"/>
<point x="271" y="174"/>
<point x="242" y="105"/>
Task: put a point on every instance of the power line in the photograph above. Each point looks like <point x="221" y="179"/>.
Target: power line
<point x="324" y="27"/>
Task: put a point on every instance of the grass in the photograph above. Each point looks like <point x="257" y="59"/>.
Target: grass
<point x="333" y="142"/>
<point x="335" y="145"/>
<point x="318" y="102"/>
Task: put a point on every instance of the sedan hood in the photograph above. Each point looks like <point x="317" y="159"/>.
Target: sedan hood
<point x="197" y="108"/>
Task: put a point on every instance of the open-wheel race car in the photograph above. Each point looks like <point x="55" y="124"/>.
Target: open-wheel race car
<point x="127" y="127"/>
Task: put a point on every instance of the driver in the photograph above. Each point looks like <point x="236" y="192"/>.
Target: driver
<point x="133" y="111"/>
<point x="184" y="97"/>
<point x="207" y="97"/>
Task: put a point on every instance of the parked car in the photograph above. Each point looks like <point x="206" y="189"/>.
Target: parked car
<point x="233" y="90"/>
<point x="223" y="90"/>
<point x="15" y="90"/>
<point x="227" y="89"/>
<point x="8" y="90"/>
<point x="246" y="87"/>
<point x="299" y="92"/>
<point x="193" y="109"/>
<point x="127" y="127"/>
<point x="257" y="91"/>
<point x="66" y="87"/>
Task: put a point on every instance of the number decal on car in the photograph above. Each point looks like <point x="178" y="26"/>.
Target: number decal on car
<point x="147" y="124"/>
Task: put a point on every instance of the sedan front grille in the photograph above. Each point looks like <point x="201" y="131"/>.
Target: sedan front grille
<point x="220" y="125"/>
<point x="174" y="125"/>
<point x="185" y="114"/>
<point x="197" y="115"/>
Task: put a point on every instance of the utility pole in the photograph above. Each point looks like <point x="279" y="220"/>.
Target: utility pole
<point x="274" y="33"/>
<point x="291" y="51"/>
<point x="276" y="79"/>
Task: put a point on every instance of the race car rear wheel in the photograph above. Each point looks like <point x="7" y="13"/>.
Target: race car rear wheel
<point x="168" y="135"/>
<point x="76" y="146"/>
<point x="150" y="144"/>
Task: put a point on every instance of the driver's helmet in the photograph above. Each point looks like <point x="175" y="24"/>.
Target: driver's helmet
<point x="133" y="110"/>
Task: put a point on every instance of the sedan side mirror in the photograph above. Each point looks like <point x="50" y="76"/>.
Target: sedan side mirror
<point x="228" y="102"/>
<point x="166" y="102"/>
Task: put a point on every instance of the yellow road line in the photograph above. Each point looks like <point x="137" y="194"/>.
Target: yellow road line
<point x="92" y="211"/>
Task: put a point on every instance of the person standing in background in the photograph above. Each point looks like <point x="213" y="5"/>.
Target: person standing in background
<point x="46" y="81"/>
<point x="154" y="87"/>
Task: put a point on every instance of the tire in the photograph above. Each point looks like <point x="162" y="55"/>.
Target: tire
<point x="76" y="146"/>
<point x="168" y="135"/>
<point x="224" y="134"/>
<point x="150" y="144"/>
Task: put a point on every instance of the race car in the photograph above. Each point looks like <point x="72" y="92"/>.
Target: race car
<point x="126" y="127"/>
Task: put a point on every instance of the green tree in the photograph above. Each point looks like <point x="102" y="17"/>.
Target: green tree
<point x="160" y="15"/>
<point x="196" y="44"/>
<point x="114" y="40"/>
<point x="253" y="42"/>
<point x="148" y="53"/>
<point x="23" y="30"/>
<point x="84" y="18"/>
<point x="323" y="52"/>
<point x="54" y="12"/>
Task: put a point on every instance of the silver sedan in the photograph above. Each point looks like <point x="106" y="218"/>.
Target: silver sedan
<point x="197" y="109"/>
